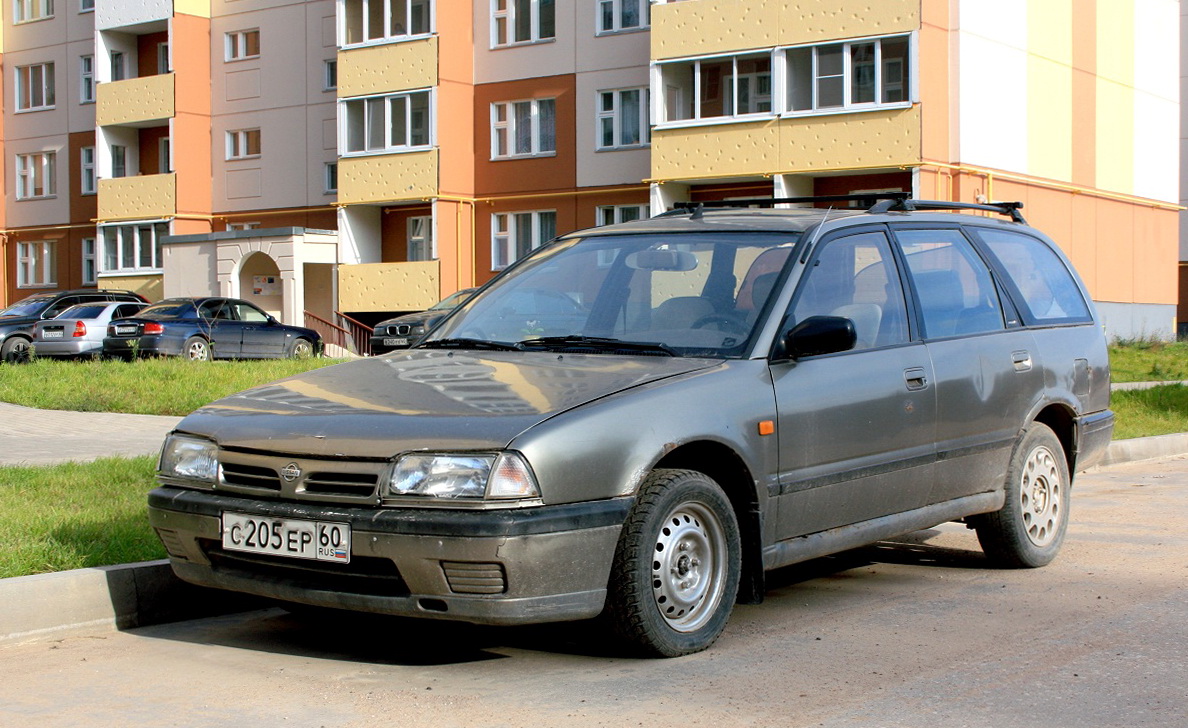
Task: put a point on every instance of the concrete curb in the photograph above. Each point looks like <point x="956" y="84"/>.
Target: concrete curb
<point x="139" y="595"/>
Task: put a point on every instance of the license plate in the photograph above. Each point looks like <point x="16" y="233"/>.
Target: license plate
<point x="125" y="330"/>
<point x="396" y="342"/>
<point x="315" y="540"/>
<point x="47" y="334"/>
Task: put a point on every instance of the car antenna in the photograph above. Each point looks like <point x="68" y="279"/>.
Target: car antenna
<point x="816" y="234"/>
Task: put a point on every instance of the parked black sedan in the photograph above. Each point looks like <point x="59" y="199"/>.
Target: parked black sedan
<point x="208" y="328"/>
<point x="404" y="331"/>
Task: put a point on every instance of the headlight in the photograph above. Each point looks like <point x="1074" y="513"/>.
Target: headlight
<point x="189" y="458"/>
<point x="493" y="476"/>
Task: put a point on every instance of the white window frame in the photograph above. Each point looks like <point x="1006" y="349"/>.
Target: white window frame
<point x="30" y="11"/>
<point x="615" y="116"/>
<point x="675" y="94"/>
<point x="86" y="6"/>
<point x="369" y="107"/>
<point x="330" y="74"/>
<point x="236" y="46"/>
<point x="37" y="264"/>
<point x="421" y="243"/>
<point x="164" y="64"/>
<point x="35" y="87"/>
<point x="386" y="33"/>
<point x="131" y="235"/>
<point x="36" y="175"/>
<point x="243" y="226"/>
<point x="240" y="144"/>
<point x="330" y="178"/>
<point x="507" y="129"/>
<point x="910" y="91"/>
<point x="620" y="213"/>
<point x="86" y="79"/>
<point x="88" y="178"/>
<point x="90" y="264"/>
<point x="615" y="7"/>
<point x="119" y="65"/>
<point x="504" y="233"/>
<point x="503" y="23"/>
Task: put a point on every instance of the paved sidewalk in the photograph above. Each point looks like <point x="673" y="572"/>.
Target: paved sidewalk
<point x="41" y="437"/>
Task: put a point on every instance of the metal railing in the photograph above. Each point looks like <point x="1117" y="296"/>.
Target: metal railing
<point x="352" y="336"/>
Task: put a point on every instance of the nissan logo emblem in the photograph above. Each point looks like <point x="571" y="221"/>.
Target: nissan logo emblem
<point x="291" y="472"/>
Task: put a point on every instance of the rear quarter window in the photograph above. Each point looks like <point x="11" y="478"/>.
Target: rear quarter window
<point x="1038" y="279"/>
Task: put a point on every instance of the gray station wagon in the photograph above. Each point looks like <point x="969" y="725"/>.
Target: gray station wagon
<point x="640" y="420"/>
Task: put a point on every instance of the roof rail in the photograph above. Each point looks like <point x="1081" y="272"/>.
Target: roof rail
<point x="1010" y="209"/>
<point x="868" y="198"/>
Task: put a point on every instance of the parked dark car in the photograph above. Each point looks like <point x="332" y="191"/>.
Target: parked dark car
<point x="16" y="321"/>
<point x="641" y="420"/>
<point x="79" y="330"/>
<point x="404" y="331"/>
<point x="208" y="328"/>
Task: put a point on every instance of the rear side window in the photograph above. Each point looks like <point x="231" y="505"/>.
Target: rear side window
<point x="954" y="287"/>
<point x="1039" y="279"/>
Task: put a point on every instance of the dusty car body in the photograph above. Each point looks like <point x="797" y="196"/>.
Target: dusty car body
<point x="643" y="419"/>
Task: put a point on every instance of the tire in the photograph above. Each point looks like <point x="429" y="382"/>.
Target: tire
<point x="300" y="349"/>
<point x="196" y="348"/>
<point x="16" y="350"/>
<point x="1029" y="529"/>
<point x="675" y="574"/>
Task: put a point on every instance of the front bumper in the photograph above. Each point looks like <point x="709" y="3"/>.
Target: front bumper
<point x="518" y="566"/>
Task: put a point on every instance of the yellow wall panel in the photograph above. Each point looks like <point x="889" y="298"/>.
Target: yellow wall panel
<point x="200" y="8"/>
<point x="1049" y="118"/>
<point x="138" y="198"/>
<point x="715" y="150"/>
<point x="809" y="21"/>
<point x="1115" y="40"/>
<point x="387" y="177"/>
<point x="1115" y="137"/>
<point x="134" y="100"/>
<point x="389" y="67"/>
<point x="388" y="286"/>
<point x="1050" y="30"/>
<point x="151" y="286"/>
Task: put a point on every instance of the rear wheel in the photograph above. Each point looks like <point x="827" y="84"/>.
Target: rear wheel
<point x="196" y="348"/>
<point x="15" y="350"/>
<point x="676" y="569"/>
<point x="1029" y="529"/>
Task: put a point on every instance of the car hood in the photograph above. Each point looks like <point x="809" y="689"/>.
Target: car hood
<point x="422" y="400"/>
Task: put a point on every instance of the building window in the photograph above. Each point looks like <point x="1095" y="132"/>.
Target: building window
<point x="164" y="155"/>
<point x="393" y="123"/>
<point x="130" y="248"/>
<point x="242" y="226"/>
<point x="420" y="239"/>
<point x="515" y="234"/>
<point x="25" y="11"/>
<point x="35" y="87"/>
<point x="330" y="178"/>
<point x="86" y="79"/>
<point x="88" y="177"/>
<point x="369" y="21"/>
<point x="37" y="264"/>
<point x="329" y="75"/>
<point x="119" y="161"/>
<point x="118" y="67"/>
<point x="163" y="64"/>
<point x="35" y="175"/>
<point x="522" y="21"/>
<point x="243" y="144"/>
<point x="86" y="6"/>
<point x="623" y="118"/>
<point x="88" y="262"/>
<point x="523" y="128"/>
<point x="242" y="44"/>
<point x="619" y="15"/>
<point x="611" y="214"/>
<point x="856" y="75"/>
<point x="723" y="87"/>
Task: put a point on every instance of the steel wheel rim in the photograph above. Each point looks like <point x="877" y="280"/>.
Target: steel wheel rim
<point x="302" y="349"/>
<point x="689" y="567"/>
<point x="196" y="351"/>
<point x="1041" y="496"/>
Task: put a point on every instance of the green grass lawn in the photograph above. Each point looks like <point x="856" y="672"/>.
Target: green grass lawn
<point x="1149" y="361"/>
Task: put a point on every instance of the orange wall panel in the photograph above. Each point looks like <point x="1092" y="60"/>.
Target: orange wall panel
<point x="531" y="174"/>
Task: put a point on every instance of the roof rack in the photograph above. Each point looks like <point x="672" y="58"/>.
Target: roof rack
<point x="1010" y="209"/>
<point x="696" y="208"/>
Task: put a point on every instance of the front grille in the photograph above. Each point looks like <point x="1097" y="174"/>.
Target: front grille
<point x="251" y="476"/>
<point x="365" y="575"/>
<point x="329" y="483"/>
<point x="475" y="577"/>
<point x="399" y="330"/>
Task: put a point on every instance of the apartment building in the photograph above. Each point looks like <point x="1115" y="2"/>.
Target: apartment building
<point x="366" y="156"/>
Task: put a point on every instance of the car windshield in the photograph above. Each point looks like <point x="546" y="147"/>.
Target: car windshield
<point x="168" y="310"/>
<point x="31" y="306"/>
<point x="686" y="295"/>
<point x="452" y="300"/>
<point x="83" y="311"/>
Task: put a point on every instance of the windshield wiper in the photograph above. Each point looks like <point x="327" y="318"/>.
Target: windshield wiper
<point x="595" y="344"/>
<point x="464" y="343"/>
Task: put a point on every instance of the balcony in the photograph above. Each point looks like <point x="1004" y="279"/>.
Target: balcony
<point x="410" y="286"/>
<point x="146" y="197"/>
<point x="387" y="177"/>
<point x="146" y="101"/>
<point x="388" y="67"/>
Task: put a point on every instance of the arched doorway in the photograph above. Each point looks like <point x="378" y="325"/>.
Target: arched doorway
<point x="260" y="283"/>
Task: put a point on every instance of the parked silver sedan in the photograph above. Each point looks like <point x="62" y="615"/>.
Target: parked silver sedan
<point x="79" y="330"/>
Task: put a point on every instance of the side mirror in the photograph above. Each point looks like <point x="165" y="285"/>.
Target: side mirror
<point x="818" y="335"/>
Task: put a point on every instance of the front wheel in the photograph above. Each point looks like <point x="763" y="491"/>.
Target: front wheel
<point x="300" y="349"/>
<point x="1029" y="529"/>
<point x="196" y="348"/>
<point x="676" y="569"/>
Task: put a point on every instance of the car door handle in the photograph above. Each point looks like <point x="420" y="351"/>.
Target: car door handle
<point x="1022" y="360"/>
<point x="916" y="379"/>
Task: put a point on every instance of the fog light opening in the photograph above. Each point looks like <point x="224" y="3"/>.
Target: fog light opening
<point x="432" y="605"/>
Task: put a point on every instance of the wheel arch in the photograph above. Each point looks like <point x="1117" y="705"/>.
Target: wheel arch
<point x="1062" y="421"/>
<point x="730" y="471"/>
